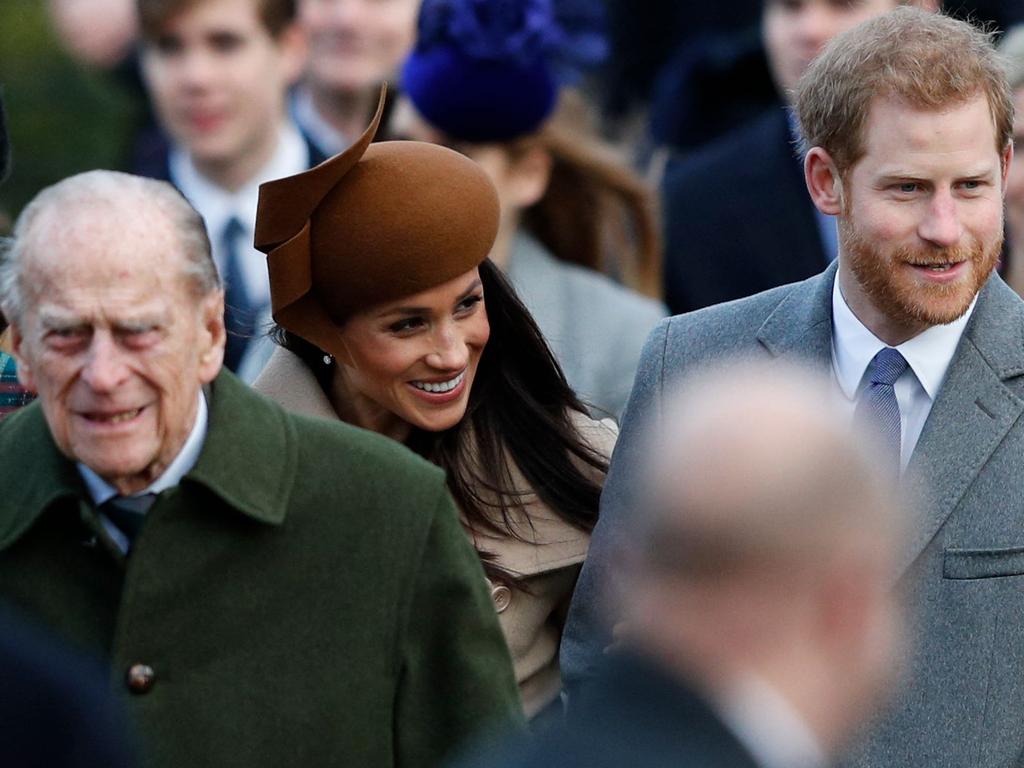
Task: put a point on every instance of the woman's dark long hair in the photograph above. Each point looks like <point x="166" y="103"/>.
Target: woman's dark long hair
<point x="519" y="414"/>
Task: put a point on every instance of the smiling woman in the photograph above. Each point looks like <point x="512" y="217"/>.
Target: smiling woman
<point x="391" y="318"/>
<point x="412" y="362"/>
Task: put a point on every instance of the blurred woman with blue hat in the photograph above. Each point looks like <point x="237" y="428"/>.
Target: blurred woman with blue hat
<point x="577" y="237"/>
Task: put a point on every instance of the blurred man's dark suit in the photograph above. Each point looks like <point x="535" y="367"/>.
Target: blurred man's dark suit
<point x="738" y="219"/>
<point x="55" y="708"/>
<point x="635" y="715"/>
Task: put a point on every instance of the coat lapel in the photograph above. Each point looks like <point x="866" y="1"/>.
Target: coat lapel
<point x="974" y="409"/>
<point x="34" y="473"/>
<point x="971" y="415"/>
<point x="800" y="327"/>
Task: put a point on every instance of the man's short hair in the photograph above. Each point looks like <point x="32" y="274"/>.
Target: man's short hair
<point x="923" y="59"/>
<point x="154" y="14"/>
<point x="102" y="189"/>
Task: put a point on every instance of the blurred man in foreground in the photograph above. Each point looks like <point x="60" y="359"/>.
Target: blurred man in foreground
<point x="759" y="624"/>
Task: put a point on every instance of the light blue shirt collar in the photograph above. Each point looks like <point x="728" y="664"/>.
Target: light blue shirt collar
<point x="101" y="491"/>
<point x="216" y="204"/>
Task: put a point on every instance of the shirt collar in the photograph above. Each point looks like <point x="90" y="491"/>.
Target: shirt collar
<point x="853" y="347"/>
<point x="101" y="491"/>
<point x="216" y="204"/>
<point x="771" y="729"/>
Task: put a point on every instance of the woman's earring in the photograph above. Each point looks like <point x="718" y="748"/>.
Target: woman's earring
<point x="328" y="359"/>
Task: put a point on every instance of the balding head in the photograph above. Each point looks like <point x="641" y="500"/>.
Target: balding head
<point x="766" y="548"/>
<point x="752" y="469"/>
<point x="102" y="204"/>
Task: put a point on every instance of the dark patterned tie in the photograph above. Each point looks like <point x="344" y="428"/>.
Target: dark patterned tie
<point x="877" y="406"/>
<point x="128" y="512"/>
<point x="240" y="311"/>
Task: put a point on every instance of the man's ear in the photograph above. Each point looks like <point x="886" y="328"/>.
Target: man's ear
<point x="17" y="342"/>
<point x="823" y="181"/>
<point x="212" y="336"/>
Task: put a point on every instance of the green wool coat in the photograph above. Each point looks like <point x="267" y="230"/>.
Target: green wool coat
<point x="305" y="596"/>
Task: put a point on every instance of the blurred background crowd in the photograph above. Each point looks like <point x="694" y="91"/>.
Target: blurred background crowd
<point x="692" y="86"/>
<point x="630" y="162"/>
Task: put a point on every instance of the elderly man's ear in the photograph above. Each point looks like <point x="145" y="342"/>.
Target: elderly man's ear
<point x="16" y="341"/>
<point x="212" y="336"/>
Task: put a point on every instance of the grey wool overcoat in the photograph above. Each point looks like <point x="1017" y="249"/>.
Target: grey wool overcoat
<point x="962" y="702"/>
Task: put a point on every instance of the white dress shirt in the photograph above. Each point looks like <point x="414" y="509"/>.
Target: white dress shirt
<point x="928" y="356"/>
<point x="772" y="731"/>
<point x="101" y="491"/>
<point x="217" y="206"/>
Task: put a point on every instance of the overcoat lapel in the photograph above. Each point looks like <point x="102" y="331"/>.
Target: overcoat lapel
<point x="972" y="414"/>
<point x="973" y="411"/>
<point x="800" y="327"/>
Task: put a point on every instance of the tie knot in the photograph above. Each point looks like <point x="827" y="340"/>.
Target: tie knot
<point x="138" y="504"/>
<point x="128" y="512"/>
<point x="889" y="366"/>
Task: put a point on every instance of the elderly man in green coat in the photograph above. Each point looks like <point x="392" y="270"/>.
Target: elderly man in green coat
<point x="268" y="589"/>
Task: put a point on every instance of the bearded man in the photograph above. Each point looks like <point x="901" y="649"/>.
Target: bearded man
<point x="907" y="120"/>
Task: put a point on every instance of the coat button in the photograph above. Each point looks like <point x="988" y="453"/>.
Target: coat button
<point x="502" y="597"/>
<point x="140" y="678"/>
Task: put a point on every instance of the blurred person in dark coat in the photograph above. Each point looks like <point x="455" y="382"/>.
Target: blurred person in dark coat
<point x="354" y="47"/>
<point x="759" y="628"/>
<point x="218" y="74"/>
<point x="55" y="708"/>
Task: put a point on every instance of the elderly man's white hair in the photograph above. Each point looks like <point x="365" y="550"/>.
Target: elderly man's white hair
<point x="112" y="200"/>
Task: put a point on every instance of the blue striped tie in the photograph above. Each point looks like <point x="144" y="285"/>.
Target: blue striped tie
<point x="128" y="512"/>
<point x="877" y="405"/>
<point x="239" y="310"/>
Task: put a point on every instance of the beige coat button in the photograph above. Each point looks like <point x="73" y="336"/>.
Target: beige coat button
<point x="502" y="597"/>
<point x="140" y="678"/>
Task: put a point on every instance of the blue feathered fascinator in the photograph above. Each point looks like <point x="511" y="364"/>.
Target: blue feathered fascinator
<point x="489" y="70"/>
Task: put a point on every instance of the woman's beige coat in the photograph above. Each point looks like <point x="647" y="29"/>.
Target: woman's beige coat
<point x="548" y="558"/>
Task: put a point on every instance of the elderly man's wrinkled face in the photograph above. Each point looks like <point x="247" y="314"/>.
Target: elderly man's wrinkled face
<point x="115" y="340"/>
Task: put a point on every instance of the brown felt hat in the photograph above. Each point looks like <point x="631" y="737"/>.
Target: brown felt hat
<point x="371" y="225"/>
